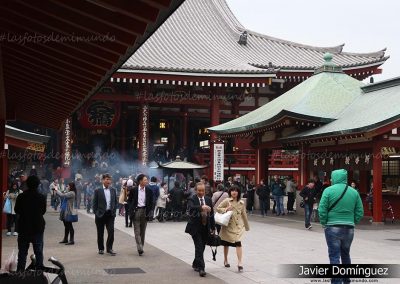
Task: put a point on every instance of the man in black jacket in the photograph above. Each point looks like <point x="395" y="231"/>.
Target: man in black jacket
<point x="104" y="207"/>
<point x="177" y="196"/>
<point x="264" y="192"/>
<point x="30" y="206"/>
<point x="201" y="223"/>
<point x="309" y="196"/>
<point x="140" y="202"/>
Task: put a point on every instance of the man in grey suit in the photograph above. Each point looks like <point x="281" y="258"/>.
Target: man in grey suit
<point x="104" y="207"/>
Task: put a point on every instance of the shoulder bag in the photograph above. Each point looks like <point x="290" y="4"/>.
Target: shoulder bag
<point x="336" y="202"/>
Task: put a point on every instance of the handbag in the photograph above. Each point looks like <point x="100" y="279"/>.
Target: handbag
<point x="223" y="218"/>
<point x="302" y="204"/>
<point x="7" y="208"/>
<point x="214" y="240"/>
<point x="72" y="216"/>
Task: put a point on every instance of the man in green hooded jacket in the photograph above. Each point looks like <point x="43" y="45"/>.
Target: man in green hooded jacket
<point x="339" y="220"/>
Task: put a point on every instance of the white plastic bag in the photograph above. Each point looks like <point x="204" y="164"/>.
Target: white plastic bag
<point x="11" y="263"/>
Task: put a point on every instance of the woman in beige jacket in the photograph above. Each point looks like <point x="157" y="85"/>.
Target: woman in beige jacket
<point x="232" y="234"/>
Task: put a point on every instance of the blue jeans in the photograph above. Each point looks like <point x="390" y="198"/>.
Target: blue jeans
<point x="307" y="214"/>
<point x="339" y="241"/>
<point x="23" y="247"/>
<point x="279" y="205"/>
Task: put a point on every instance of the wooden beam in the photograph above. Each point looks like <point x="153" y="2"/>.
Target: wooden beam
<point x="105" y="16"/>
<point x="47" y="26"/>
<point x="46" y="84"/>
<point x="33" y="29"/>
<point x="134" y="9"/>
<point x="48" y="67"/>
<point x="58" y="47"/>
<point x="56" y="16"/>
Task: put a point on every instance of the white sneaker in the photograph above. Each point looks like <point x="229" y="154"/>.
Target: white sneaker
<point x="15" y="234"/>
<point x="8" y="234"/>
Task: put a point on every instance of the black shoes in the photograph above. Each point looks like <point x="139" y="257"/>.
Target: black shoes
<point x="240" y="268"/>
<point x="111" y="252"/>
<point x="70" y="243"/>
<point x="140" y="252"/>
<point x="63" y="242"/>
<point x="227" y="265"/>
<point x="202" y="273"/>
<point x="101" y="251"/>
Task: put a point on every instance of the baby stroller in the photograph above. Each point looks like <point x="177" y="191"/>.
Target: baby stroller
<point x="33" y="274"/>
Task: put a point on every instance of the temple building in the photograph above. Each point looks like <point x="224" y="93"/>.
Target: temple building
<point x="201" y="68"/>
<point x="328" y="122"/>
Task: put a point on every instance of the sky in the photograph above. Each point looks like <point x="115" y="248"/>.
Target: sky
<point x="362" y="25"/>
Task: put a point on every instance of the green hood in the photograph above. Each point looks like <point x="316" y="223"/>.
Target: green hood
<point x="339" y="176"/>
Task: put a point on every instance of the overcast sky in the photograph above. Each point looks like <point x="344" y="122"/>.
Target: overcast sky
<point x="363" y="25"/>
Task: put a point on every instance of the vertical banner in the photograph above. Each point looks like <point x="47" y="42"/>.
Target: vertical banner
<point x="67" y="143"/>
<point x="144" y="134"/>
<point x="218" y="162"/>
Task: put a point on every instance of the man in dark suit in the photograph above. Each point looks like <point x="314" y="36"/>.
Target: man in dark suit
<point x="201" y="223"/>
<point x="140" y="202"/>
<point x="104" y="207"/>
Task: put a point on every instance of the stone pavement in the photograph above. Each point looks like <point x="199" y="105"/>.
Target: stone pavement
<point x="84" y="265"/>
<point x="272" y="241"/>
<point x="169" y="251"/>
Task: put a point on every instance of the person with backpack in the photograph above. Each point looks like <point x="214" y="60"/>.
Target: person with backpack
<point x="340" y="209"/>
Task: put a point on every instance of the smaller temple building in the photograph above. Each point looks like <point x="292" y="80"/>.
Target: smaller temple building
<point x="330" y="121"/>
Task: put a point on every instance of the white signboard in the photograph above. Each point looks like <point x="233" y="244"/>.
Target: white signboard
<point x="218" y="162"/>
<point x="67" y="143"/>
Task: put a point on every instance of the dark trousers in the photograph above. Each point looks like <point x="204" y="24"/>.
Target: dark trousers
<point x="23" y="247"/>
<point x="127" y="218"/>
<point x="199" y="240"/>
<point x="264" y="206"/>
<point x="290" y="201"/>
<point x="161" y="213"/>
<point x="88" y="204"/>
<point x="12" y="220"/>
<point x="106" y="221"/>
<point x="68" y="230"/>
<point x="139" y="227"/>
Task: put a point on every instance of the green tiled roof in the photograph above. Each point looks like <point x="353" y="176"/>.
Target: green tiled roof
<point x="377" y="106"/>
<point x="321" y="98"/>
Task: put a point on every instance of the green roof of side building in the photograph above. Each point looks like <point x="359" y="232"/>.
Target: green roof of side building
<point x="321" y="98"/>
<point x="377" y="106"/>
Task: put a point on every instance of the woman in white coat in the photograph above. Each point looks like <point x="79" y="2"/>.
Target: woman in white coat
<point x="162" y="202"/>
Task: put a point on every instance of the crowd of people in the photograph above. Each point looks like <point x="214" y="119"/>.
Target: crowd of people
<point x="140" y="200"/>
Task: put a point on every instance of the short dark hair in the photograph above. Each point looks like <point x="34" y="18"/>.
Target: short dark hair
<point x="72" y="187"/>
<point x="204" y="177"/>
<point x="140" y="177"/>
<point x="234" y="187"/>
<point x="163" y="183"/>
<point x="220" y="187"/>
<point x="106" y="176"/>
<point x="177" y="184"/>
<point x="153" y="179"/>
<point x="32" y="182"/>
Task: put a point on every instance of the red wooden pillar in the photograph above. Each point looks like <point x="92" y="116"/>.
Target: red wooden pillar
<point x="144" y="134"/>
<point x="303" y="170"/>
<point x="377" y="183"/>
<point x="185" y="130"/>
<point x="3" y="177"/>
<point x="215" y="116"/>
<point x="123" y="134"/>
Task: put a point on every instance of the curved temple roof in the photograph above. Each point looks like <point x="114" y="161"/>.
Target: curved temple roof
<point x="202" y="37"/>
<point x="321" y="98"/>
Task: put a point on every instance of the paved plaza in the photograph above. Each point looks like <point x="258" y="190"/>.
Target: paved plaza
<point x="169" y="251"/>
